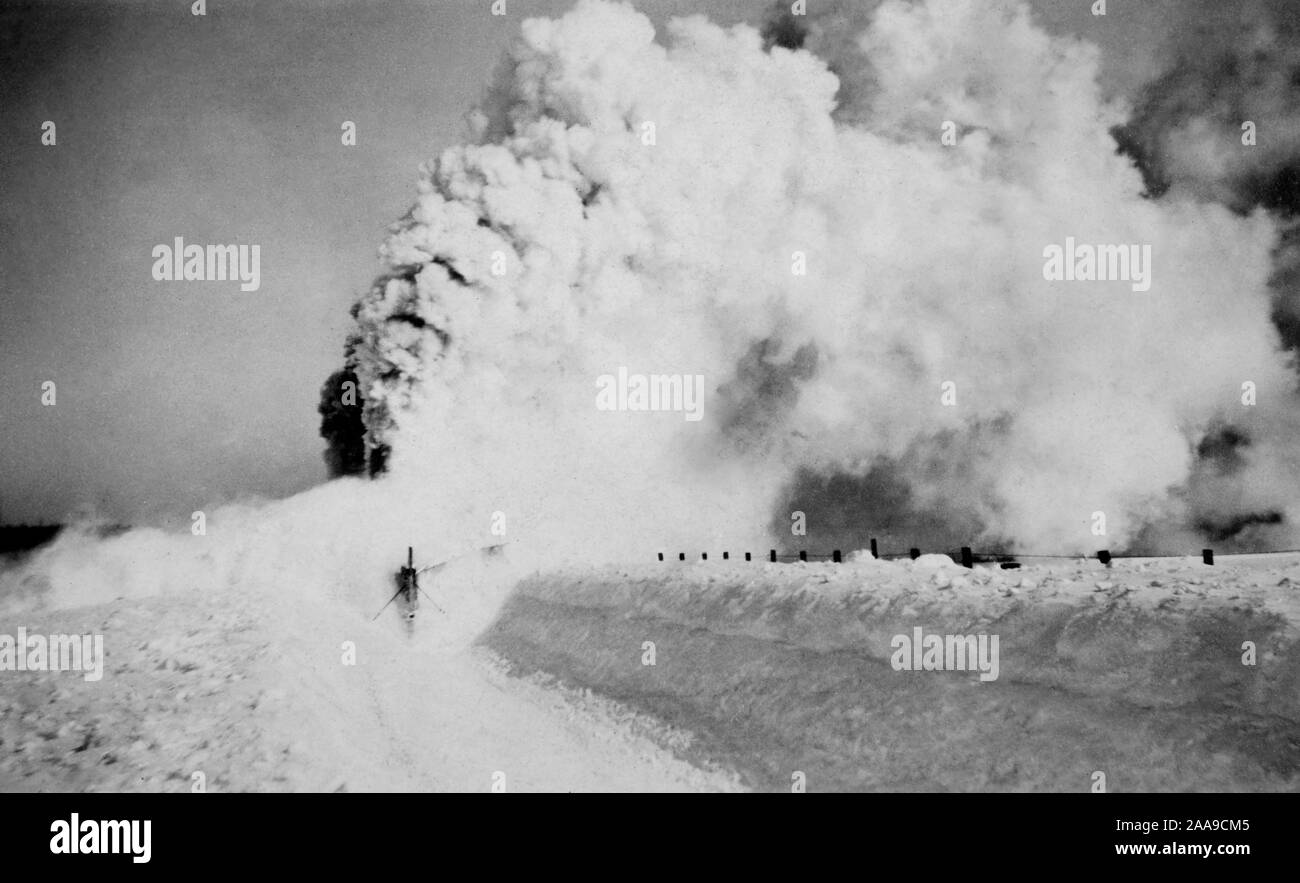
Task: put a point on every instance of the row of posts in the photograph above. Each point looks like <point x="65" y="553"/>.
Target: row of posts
<point x="967" y="556"/>
<point x="771" y="556"/>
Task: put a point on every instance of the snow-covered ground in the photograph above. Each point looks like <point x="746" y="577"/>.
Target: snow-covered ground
<point x="252" y="691"/>
<point x="761" y="673"/>
<point x="1136" y="671"/>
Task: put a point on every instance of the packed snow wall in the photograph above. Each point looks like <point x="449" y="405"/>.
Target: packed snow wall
<point x="1137" y="673"/>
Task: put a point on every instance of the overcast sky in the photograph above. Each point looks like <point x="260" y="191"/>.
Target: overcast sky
<point x="226" y="129"/>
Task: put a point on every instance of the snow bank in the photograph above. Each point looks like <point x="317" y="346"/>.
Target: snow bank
<point x="1136" y="671"/>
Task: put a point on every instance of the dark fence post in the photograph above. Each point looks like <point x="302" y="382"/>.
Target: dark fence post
<point x="835" y="556"/>
<point x="1207" y="555"/>
<point x="874" y="553"/>
<point x="1104" y="557"/>
<point x="967" y="558"/>
<point x="771" y="556"/>
<point x="661" y="556"/>
<point x="915" y="553"/>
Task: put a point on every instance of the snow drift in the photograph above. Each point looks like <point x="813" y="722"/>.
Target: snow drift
<point x="337" y="546"/>
<point x="1137" y="672"/>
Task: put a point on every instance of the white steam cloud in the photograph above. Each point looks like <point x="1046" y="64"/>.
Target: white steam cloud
<point x="924" y="265"/>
